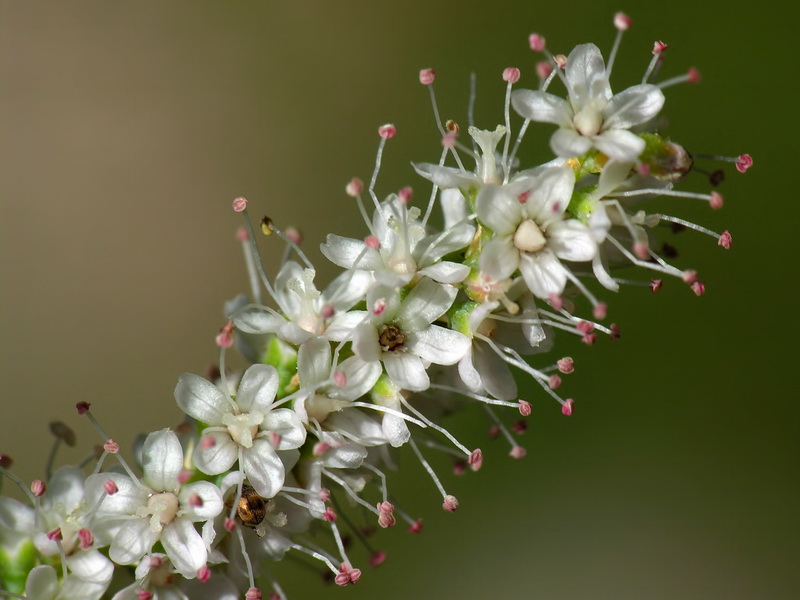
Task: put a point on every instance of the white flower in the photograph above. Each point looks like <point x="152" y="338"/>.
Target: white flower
<point x="247" y="429"/>
<point x="593" y="117"/>
<point x="401" y="333"/>
<point x="404" y="249"/>
<point x="530" y="232"/>
<point x="89" y="576"/>
<point x="160" y="508"/>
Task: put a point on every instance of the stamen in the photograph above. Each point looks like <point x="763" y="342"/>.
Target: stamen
<point x="622" y="22"/>
<point x="385" y="132"/>
<point x="658" y="48"/>
<point x="350" y="491"/>
<point x="433" y="425"/>
<point x="510" y="76"/>
<point x="431" y="473"/>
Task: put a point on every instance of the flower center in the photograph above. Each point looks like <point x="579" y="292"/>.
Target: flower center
<point x="528" y="237"/>
<point x="163" y="507"/>
<point x="391" y="338"/>
<point x="589" y="120"/>
<point x="243" y="427"/>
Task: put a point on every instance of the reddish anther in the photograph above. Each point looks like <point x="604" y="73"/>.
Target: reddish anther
<point x="329" y="515"/>
<point x="339" y="378"/>
<point x="143" y="594"/>
<point x="38" y="488"/>
<point x="195" y="500"/>
<point x="716" y="200"/>
<point x="239" y="204"/>
<point x="111" y="446"/>
<point x="615" y="334"/>
<point x="524" y="409"/>
<point x="520" y="427"/>
<point x="83" y="407"/>
<point x="641" y="250"/>
<point x="110" y="487"/>
<point x="416" y="526"/>
<point x="372" y="242"/>
<point x="725" y="240"/>
<point x="543" y="69"/>
<point x="55" y="535"/>
<point x="689" y="276"/>
<point x="589" y="339"/>
<point x="155" y="562"/>
<point x="537" y="42"/>
<point x="556" y="301"/>
<point x="377" y="559"/>
<point x="517" y="452"/>
<point x="86" y="538"/>
<point x="622" y="21"/>
<point x="511" y="75"/>
<point x="387" y="131"/>
<point x="659" y="47"/>
<point x="320" y="448"/>
<point x="207" y="442"/>
<point x="554" y="382"/>
<point x="203" y="574"/>
<point x="224" y="338"/>
<point x="693" y="76"/>
<point x="494" y="430"/>
<point x="354" y="187"/>
<point x="566" y="408"/>
<point x="585" y="326"/>
<point x="450" y="503"/>
<point x="427" y="76"/>
<point x="655" y="285"/>
<point x="566" y="365"/>
<point x="347" y="575"/>
<point x="459" y="467"/>
<point x="475" y="459"/>
<point x="743" y="162"/>
<point x="253" y="594"/>
<point x="600" y="311"/>
<point x="405" y="194"/>
<point x="230" y="524"/>
<point x="699" y="288"/>
<point x="6" y="461"/>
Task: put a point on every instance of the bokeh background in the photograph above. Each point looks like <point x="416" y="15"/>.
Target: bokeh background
<point x="127" y="127"/>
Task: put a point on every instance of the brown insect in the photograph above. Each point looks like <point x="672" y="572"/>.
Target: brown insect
<point x="252" y="508"/>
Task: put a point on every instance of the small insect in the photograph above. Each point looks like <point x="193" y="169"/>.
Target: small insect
<point x="252" y="508"/>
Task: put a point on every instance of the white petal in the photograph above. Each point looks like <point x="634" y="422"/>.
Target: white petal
<point x="602" y="275"/>
<point x="201" y="399"/>
<point x="619" y="144"/>
<point x="633" y="106"/>
<point x="432" y="248"/>
<point x="257" y="320"/>
<point x="361" y="377"/>
<point x="184" y="546"/>
<point x="125" y="501"/>
<point x="568" y="142"/>
<point x="314" y="362"/>
<point x="454" y="207"/>
<point x="219" y="457"/>
<point x="445" y="177"/>
<point x="211" y="501"/>
<point x="551" y="192"/>
<point x="286" y="423"/>
<point x="495" y="374"/>
<point x="162" y="461"/>
<point x="446" y="272"/>
<point x="347" y="289"/>
<point x="342" y="326"/>
<point x="288" y="301"/>
<point x="586" y="76"/>
<point x="571" y="240"/>
<point x="365" y="342"/>
<point x="542" y="107"/>
<point x="599" y="223"/>
<point x="257" y="388"/>
<point x="614" y="173"/>
<point x="294" y="334"/>
<point x="351" y="254"/>
<point x="395" y="430"/>
<point x="42" y="583"/>
<point x="219" y="587"/>
<point x="91" y="566"/>
<point x="543" y="273"/>
<point x="263" y="468"/>
<point x="469" y="375"/>
<point x="65" y="488"/>
<point x="275" y="545"/>
<point x="498" y="210"/>
<point x="424" y="304"/>
<point x="438" y="345"/>
<point x="134" y="540"/>
<point x="406" y="370"/>
<point x="347" y="455"/>
<point x="16" y="516"/>
<point x="499" y="258"/>
<point x="357" y="426"/>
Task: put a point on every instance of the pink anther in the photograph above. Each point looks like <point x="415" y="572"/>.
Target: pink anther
<point x="320" y="448"/>
<point x="543" y="69"/>
<point x="252" y="594"/>
<point x="743" y="162"/>
<point x="716" y="200"/>
<point x="377" y="559"/>
<point x="600" y="310"/>
<point x="55" y="535"/>
<point x="655" y="285"/>
<point x="83" y="407"/>
<point x="511" y="75"/>
<point x="405" y="194"/>
<point x="450" y="503"/>
<point x="111" y="446"/>
<point x="615" y="334"/>
<point x="207" y="442"/>
<point x="416" y="526"/>
<point x="339" y="378"/>
<point x="372" y="242"/>
<point x="230" y="524"/>
<point x="693" y="75"/>
<point x="659" y="47"/>
<point x="699" y="288"/>
<point x="585" y="327"/>
<point x="427" y="76"/>
<point x="475" y="459"/>
<point x="239" y="204"/>
<point x="387" y="131"/>
<point x="354" y="187"/>
<point x="203" y="574"/>
<point x="725" y="240"/>
<point x="110" y="487"/>
<point x="524" y="408"/>
<point x="689" y="276"/>
<point x="494" y="430"/>
<point x="143" y="594"/>
<point x="554" y="382"/>
<point x="86" y="538"/>
<point x="38" y="488"/>
<point x="566" y="408"/>
<point x="556" y="301"/>
<point x="537" y="42"/>
<point x="566" y="365"/>
<point x="622" y="21"/>
<point x="520" y="427"/>
<point x="324" y="494"/>
<point x="379" y="306"/>
<point x="641" y="250"/>
<point x="517" y="452"/>
<point x="224" y="338"/>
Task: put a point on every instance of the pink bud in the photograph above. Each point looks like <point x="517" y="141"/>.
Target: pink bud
<point x="716" y="200"/>
<point x="537" y="42"/>
<point x="38" y="488"/>
<point x="239" y="204"/>
<point x="566" y="408"/>
<point x="622" y="21"/>
<point x="450" y="503"/>
<point x="743" y="162"/>
<point x="517" y="452"/>
<point x="524" y="408"/>
<point x="83" y="407"/>
<point x="354" y="187"/>
<point x="566" y="365"/>
<point x="725" y="240"/>
<point x="511" y="75"/>
<point x="387" y="131"/>
<point x="427" y="76"/>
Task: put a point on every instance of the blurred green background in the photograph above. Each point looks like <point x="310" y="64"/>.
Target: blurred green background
<point x="127" y="127"/>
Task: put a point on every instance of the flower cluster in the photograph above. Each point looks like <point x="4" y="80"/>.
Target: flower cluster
<point x="422" y="320"/>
